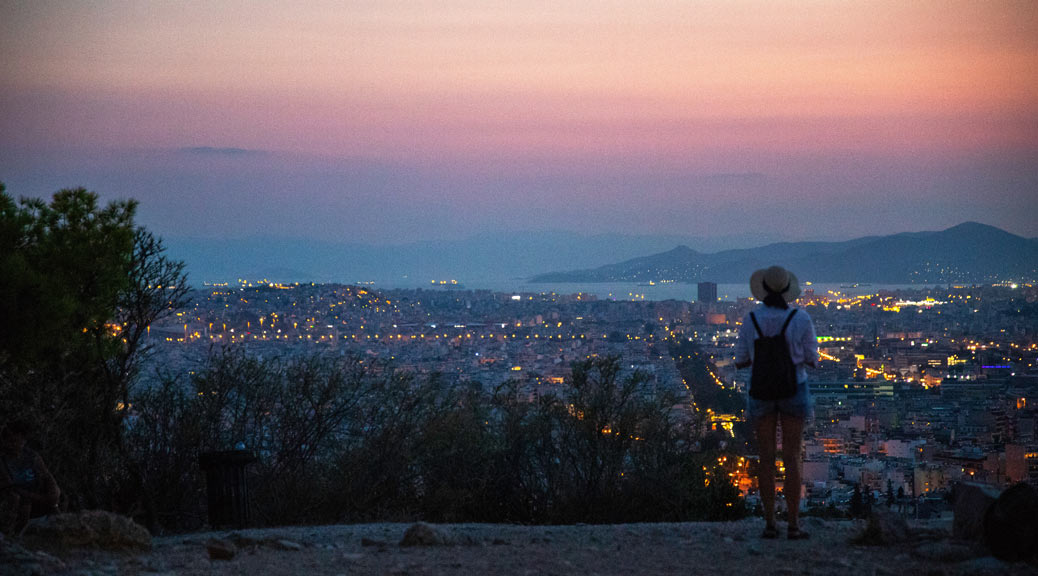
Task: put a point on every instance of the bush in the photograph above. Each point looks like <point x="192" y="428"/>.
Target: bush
<point x="339" y="440"/>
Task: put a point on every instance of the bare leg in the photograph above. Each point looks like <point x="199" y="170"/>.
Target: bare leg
<point x="10" y="507"/>
<point x="792" y="440"/>
<point x="766" y="470"/>
<point x="24" y="512"/>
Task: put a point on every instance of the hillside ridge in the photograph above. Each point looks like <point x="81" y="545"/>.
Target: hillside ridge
<point x="969" y="252"/>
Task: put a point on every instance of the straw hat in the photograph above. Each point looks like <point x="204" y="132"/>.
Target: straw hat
<point x="774" y="279"/>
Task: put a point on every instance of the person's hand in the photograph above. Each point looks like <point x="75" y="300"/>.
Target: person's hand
<point x="28" y="495"/>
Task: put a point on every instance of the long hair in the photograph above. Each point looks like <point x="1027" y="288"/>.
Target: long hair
<point x="775" y="300"/>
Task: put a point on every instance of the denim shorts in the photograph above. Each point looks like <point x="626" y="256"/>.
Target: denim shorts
<point x="800" y="404"/>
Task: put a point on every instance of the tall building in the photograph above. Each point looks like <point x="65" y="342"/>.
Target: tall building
<point x="707" y="292"/>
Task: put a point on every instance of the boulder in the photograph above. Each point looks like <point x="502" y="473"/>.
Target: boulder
<point x="884" y="528"/>
<point x="971" y="504"/>
<point x="422" y="534"/>
<point x="1011" y="524"/>
<point x="89" y="529"/>
<point x="221" y="549"/>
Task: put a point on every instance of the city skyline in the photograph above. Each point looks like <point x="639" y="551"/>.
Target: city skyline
<point x="400" y="122"/>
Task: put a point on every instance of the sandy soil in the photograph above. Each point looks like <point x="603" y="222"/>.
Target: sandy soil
<point x="481" y="549"/>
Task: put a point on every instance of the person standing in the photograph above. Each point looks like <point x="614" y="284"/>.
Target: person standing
<point x="27" y="488"/>
<point x="779" y="343"/>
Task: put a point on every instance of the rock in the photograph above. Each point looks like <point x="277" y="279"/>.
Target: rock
<point x="944" y="551"/>
<point x="285" y="545"/>
<point x="220" y="549"/>
<point x="50" y="561"/>
<point x="971" y="504"/>
<point x="984" y="566"/>
<point x="422" y="534"/>
<point x="244" y="541"/>
<point x="884" y="528"/>
<point x="89" y="529"/>
<point x="1011" y="524"/>
<point x="16" y="560"/>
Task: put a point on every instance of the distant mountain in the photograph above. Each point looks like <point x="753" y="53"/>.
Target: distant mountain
<point x="969" y="252"/>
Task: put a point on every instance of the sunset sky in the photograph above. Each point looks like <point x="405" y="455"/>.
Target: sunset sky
<point x="389" y="122"/>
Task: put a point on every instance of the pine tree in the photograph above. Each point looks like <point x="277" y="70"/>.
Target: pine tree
<point x="857" y="503"/>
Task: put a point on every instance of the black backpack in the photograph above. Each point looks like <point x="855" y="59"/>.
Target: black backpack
<point x="773" y="376"/>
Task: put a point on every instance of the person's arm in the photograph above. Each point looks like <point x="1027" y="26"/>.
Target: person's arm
<point x="6" y="483"/>
<point x="742" y="346"/>
<point x="48" y="492"/>
<point x="810" y="343"/>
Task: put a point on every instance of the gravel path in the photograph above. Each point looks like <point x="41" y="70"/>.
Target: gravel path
<point x="482" y="549"/>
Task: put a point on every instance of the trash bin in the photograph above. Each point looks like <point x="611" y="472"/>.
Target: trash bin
<point x="227" y="488"/>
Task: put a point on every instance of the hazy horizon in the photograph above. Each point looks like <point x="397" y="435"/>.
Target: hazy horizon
<point x="482" y="260"/>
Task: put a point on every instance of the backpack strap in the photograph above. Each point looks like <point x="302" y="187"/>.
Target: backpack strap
<point x="755" y="325"/>
<point x="786" y="325"/>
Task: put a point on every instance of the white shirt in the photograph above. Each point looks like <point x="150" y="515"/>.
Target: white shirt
<point x="800" y="336"/>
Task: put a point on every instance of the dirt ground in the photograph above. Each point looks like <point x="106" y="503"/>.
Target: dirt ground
<point x="482" y="549"/>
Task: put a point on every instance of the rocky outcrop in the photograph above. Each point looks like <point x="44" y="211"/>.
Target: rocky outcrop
<point x="88" y="529"/>
<point x="1011" y="524"/>
<point x="220" y="549"/>
<point x="422" y="534"/>
<point x="885" y="528"/>
<point x="971" y="504"/>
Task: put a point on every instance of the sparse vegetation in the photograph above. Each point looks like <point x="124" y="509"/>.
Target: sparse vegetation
<point x="336" y="438"/>
<point x="339" y="440"/>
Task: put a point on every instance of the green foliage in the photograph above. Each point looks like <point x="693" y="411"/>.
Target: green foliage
<point x="857" y="507"/>
<point x="79" y="284"/>
<point x="64" y="265"/>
